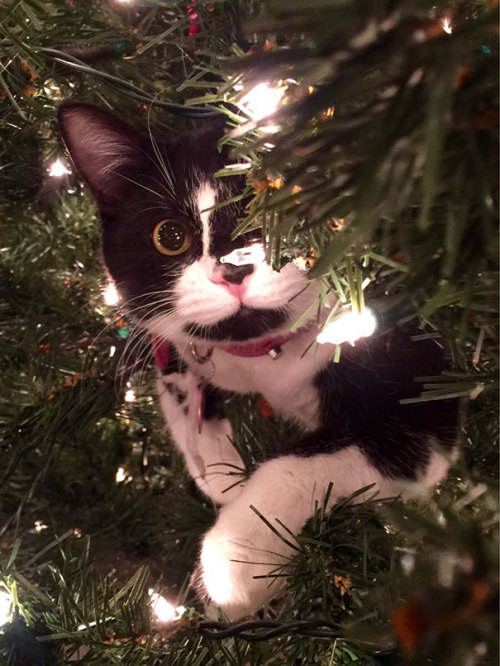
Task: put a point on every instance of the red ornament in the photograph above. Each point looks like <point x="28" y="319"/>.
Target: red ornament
<point x="194" y="20"/>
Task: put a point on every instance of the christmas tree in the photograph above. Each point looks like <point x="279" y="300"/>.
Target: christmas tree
<point x="368" y="135"/>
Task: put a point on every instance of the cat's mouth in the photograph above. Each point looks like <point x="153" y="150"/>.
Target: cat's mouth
<point x="246" y="324"/>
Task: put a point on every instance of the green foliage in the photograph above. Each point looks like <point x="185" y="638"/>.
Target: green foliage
<point x="398" y="189"/>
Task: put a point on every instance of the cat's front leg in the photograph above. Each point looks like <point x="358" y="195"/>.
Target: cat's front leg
<point x="205" y="440"/>
<point x="241" y="553"/>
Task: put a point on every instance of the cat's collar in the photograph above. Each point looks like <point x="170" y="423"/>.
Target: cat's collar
<point x="268" y="347"/>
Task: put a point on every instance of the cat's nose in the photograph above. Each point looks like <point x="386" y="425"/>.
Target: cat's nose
<point x="236" y="274"/>
<point x="232" y="277"/>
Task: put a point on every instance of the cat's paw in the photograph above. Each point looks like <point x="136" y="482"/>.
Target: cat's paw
<point x="207" y="447"/>
<point x="243" y="562"/>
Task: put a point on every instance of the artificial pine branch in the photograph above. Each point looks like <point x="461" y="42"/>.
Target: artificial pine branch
<point x="398" y="186"/>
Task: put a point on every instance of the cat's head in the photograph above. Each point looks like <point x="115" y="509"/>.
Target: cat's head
<point x="164" y="243"/>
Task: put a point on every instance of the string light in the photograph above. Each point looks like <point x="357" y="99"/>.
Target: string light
<point x="130" y="395"/>
<point x="5" y="606"/>
<point x="262" y="100"/>
<point x="120" y="475"/>
<point x="163" y="610"/>
<point x="238" y="166"/>
<point x="110" y="294"/>
<point x="447" y="26"/>
<point x="51" y="89"/>
<point x="40" y="526"/>
<point x="58" y="168"/>
<point x="253" y="254"/>
<point x="349" y="327"/>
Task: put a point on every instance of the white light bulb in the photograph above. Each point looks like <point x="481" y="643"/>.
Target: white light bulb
<point x="447" y="27"/>
<point x="130" y="395"/>
<point x="40" y="526"/>
<point x="262" y="100"/>
<point x="253" y="254"/>
<point x="5" y="606"/>
<point x="120" y="475"/>
<point x="163" y="609"/>
<point x="110" y="294"/>
<point x="58" y="169"/>
<point x="349" y="327"/>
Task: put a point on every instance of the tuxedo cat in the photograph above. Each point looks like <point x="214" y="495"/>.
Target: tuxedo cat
<point x="220" y="319"/>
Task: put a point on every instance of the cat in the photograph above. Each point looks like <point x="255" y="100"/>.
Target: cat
<point x="220" y="319"/>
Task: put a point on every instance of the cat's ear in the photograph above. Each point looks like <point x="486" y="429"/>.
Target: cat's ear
<point x="105" y="150"/>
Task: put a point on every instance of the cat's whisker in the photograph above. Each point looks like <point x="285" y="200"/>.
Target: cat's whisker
<point x="135" y="182"/>
<point x="146" y="310"/>
<point x="125" y="369"/>
<point x="168" y="190"/>
<point x="164" y="171"/>
<point x="140" y="333"/>
<point x="94" y="345"/>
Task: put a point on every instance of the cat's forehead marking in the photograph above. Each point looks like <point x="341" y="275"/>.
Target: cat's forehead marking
<point x="205" y="197"/>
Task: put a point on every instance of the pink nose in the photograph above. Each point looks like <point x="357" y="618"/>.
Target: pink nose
<point x="232" y="277"/>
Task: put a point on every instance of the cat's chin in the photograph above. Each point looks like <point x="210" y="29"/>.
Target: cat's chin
<point x="246" y="324"/>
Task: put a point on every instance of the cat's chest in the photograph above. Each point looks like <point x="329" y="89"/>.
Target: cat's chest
<point x="287" y="383"/>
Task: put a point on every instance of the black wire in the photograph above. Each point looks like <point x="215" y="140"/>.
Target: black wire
<point x="133" y="91"/>
<point x="261" y="630"/>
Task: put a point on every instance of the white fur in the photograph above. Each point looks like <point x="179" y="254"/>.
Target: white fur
<point x="434" y="472"/>
<point x="241" y="546"/>
<point x="286" y="383"/>
<point x="219" y="459"/>
<point x="241" y="555"/>
<point x="205" y="199"/>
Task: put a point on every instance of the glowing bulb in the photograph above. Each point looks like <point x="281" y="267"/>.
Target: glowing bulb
<point x="349" y="327"/>
<point x="5" y="606"/>
<point x="58" y="169"/>
<point x="262" y="100"/>
<point x="163" y="609"/>
<point x="130" y="395"/>
<point x="447" y="27"/>
<point x="110" y="294"/>
<point x="121" y="475"/>
<point x="40" y="526"/>
<point x="253" y="254"/>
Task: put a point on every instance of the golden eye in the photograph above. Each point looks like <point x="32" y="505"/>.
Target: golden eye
<point x="171" y="238"/>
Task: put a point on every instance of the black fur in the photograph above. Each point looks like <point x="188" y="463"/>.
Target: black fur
<point x="134" y="197"/>
<point x="175" y="363"/>
<point x="245" y="324"/>
<point x="360" y="404"/>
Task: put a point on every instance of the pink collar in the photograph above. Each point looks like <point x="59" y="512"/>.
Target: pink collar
<point x="161" y="348"/>
<point x="260" y="348"/>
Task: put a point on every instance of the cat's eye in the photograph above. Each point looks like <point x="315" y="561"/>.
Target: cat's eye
<point x="171" y="238"/>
